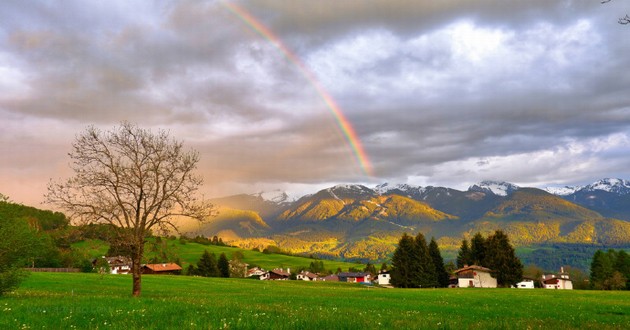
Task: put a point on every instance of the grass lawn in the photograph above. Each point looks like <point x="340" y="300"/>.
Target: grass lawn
<point x="89" y="301"/>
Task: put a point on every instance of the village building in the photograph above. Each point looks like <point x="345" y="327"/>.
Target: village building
<point x="117" y="265"/>
<point x="329" y="278"/>
<point x="355" y="277"/>
<point x="557" y="281"/>
<point x="383" y="278"/>
<point x="475" y="277"/>
<point x="255" y="272"/>
<point x="161" y="269"/>
<point x="526" y="283"/>
<point x="279" y="274"/>
<point x="307" y="276"/>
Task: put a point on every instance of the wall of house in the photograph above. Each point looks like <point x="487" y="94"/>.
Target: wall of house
<point x="480" y="280"/>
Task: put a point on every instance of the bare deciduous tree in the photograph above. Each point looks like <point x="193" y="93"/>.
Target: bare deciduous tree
<point x="137" y="181"/>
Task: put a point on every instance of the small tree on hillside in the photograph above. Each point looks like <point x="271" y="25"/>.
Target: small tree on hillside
<point x="133" y="179"/>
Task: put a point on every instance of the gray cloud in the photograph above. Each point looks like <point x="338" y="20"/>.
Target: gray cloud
<point x="443" y="93"/>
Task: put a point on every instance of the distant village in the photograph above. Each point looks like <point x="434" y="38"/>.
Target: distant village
<point x="467" y="277"/>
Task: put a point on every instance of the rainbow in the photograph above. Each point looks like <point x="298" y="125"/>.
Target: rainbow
<point x="343" y="122"/>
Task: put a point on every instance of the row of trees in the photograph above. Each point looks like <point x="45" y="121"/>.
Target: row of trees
<point x="494" y="252"/>
<point x="209" y="266"/>
<point x="610" y="270"/>
<point x="416" y="264"/>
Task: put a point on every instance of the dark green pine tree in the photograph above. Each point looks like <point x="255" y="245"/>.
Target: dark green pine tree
<point x="207" y="265"/>
<point x="404" y="263"/>
<point x="464" y="257"/>
<point x="425" y="273"/>
<point x="478" y="250"/>
<point x="438" y="262"/>
<point x="602" y="269"/>
<point x="502" y="260"/>
<point x="224" y="266"/>
<point x="622" y="265"/>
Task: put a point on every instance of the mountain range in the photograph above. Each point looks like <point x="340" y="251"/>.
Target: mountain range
<point x="358" y="222"/>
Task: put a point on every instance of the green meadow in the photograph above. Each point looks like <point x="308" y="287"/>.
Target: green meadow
<point x="92" y="301"/>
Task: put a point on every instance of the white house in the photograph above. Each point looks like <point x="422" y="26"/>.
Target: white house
<point x="475" y="277"/>
<point x="117" y="265"/>
<point x="383" y="278"/>
<point x="306" y="276"/>
<point x="257" y="272"/>
<point x="526" y="283"/>
<point x="560" y="281"/>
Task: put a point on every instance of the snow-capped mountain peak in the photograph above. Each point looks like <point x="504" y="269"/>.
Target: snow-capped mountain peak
<point x="499" y="188"/>
<point x="617" y="186"/>
<point x="385" y="188"/>
<point x="562" y="191"/>
<point x="276" y="196"/>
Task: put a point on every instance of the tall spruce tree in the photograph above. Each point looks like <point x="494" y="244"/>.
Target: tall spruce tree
<point x="223" y="265"/>
<point x="404" y="263"/>
<point x="425" y="273"/>
<point x="501" y="259"/>
<point x="438" y="262"/>
<point x="478" y="250"/>
<point x="464" y="257"/>
<point x="207" y="265"/>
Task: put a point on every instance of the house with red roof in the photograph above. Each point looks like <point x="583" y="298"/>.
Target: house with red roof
<point x="169" y="268"/>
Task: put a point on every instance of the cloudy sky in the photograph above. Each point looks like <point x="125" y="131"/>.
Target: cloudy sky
<point x="448" y="93"/>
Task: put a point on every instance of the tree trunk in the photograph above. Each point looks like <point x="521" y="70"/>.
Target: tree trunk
<point x="136" y="269"/>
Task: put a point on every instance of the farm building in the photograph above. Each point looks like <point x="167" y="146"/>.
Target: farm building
<point x="355" y="277"/>
<point x="475" y="277"/>
<point x="161" y="269"/>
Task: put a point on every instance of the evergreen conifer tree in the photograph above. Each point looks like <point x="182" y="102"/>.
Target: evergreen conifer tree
<point x="425" y="274"/>
<point x="602" y="269"/>
<point x="404" y="263"/>
<point x="501" y="259"/>
<point x="224" y="266"/>
<point x="464" y="257"/>
<point x="438" y="262"/>
<point x="478" y="250"/>
<point x="207" y="265"/>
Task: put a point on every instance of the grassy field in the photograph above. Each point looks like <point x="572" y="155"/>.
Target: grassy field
<point x="89" y="301"/>
<point x="190" y="253"/>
